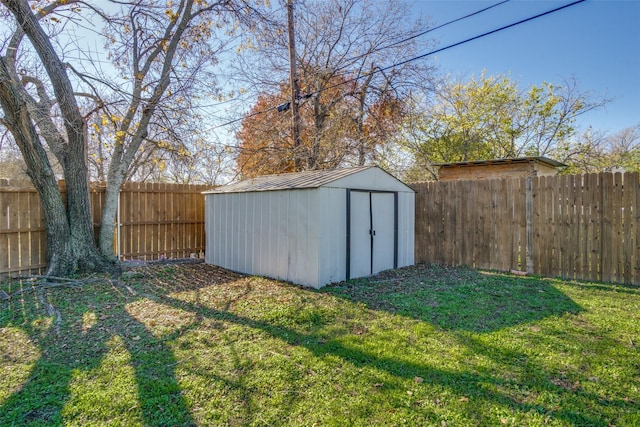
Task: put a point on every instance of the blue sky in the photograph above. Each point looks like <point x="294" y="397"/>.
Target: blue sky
<point x="597" y="42"/>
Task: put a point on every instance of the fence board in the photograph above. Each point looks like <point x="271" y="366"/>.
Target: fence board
<point x="565" y="235"/>
<point x="596" y="225"/>
<point x="149" y="226"/>
<point x="520" y="223"/>
<point x="543" y="247"/>
<point x="636" y="225"/>
<point x="584" y="226"/>
<point x="5" y="227"/>
<point x="551" y="237"/>
<point x="469" y="235"/>
<point x="576" y="225"/>
<point x="468" y="208"/>
<point x="437" y="222"/>
<point x="13" y="223"/>
<point x="503" y="242"/>
<point x="627" y="229"/>
<point x="24" y="242"/>
<point x="617" y="239"/>
<point x="606" y="227"/>
<point x="569" y="218"/>
<point x="538" y="222"/>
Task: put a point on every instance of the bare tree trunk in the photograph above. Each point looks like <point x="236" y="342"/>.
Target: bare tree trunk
<point x="115" y="180"/>
<point x="362" y="102"/>
<point x="70" y="242"/>
<point x="19" y="123"/>
<point x="123" y="155"/>
<point x="319" y="116"/>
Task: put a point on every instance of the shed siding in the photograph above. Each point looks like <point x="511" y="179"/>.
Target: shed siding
<point x="545" y="170"/>
<point x="303" y="237"/>
<point x="332" y="239"/>
<point x="271" y="234"/>
<point x="370" y="179"/>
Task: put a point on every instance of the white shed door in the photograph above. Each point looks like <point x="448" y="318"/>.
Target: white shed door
<point x="372" y="238"/>
<point x="360" y="241"/>
<point x="383" y="210"/>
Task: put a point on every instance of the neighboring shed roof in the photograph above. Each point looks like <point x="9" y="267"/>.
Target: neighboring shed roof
<point x="541" y="159"/>
<point x="288" y="181"/>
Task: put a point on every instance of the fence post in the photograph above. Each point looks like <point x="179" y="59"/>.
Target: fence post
<point x="529" y="222"/>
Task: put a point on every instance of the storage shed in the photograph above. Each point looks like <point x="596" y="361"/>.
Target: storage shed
<point x="520" y="167"/>
<point x="312" y="228"/>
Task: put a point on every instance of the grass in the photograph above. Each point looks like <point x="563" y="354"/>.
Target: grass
<point x="420" y="346"/>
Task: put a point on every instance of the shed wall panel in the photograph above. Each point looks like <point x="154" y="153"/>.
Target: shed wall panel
<point x="279" y="229"/>
<point x="370" y="179"/>
<point x="273" y="234"/>
<point x="332" y="238"/>
<point x="303" y="237"/>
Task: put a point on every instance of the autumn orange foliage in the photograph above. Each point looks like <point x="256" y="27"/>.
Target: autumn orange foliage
<point x="337" y="129"/>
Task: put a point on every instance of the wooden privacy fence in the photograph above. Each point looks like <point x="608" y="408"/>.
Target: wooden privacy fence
<point x="155" y="221"/>
<point x="571" y="226"/>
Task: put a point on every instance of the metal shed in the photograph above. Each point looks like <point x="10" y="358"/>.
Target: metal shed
<point x="312" y="228"/>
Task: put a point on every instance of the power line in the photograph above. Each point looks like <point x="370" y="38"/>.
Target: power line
<point x="415" y="58"/>
<point x="422" y="33"/>
<point x="284" y="107"/>
<point x="522" y="21"/>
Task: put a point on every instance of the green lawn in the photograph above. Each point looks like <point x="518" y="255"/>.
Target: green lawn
<point x="191" y="344"/>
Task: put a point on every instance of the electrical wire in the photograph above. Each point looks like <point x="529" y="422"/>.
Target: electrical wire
<point x="415" y="58"/>
<point x="422" y="33"/>
<point x="355" y="58"/>
<point x="522" y="21"/>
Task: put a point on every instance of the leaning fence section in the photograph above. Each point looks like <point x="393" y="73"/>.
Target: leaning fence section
<point x="572" y="226"/>
<point x="155" y="221"/>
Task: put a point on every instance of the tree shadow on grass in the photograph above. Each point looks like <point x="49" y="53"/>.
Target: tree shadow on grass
<point x="482" y="386"/>
<point x="159" y="392"/>
<point x="78" y="349"/>
<point x="458" y="298"/>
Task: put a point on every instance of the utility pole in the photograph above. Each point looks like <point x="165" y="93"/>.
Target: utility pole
<point x="295" y="95"/>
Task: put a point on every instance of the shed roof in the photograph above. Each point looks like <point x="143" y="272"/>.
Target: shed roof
<point x="288" y="181"/>
<point x="540" y="159"/>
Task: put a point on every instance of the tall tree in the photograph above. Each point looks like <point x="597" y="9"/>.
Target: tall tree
<point x="490" y="117"/>
<point x="69" y="229"/>
<point x="624" y="149"/>
<point x="267" y="146"/>
<point x="346" y="53"/>
<point x="158" y="53"/>
<point x="596" y="151"/>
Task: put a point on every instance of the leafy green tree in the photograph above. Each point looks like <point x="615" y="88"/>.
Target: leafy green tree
<point x="490" y="117"/>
